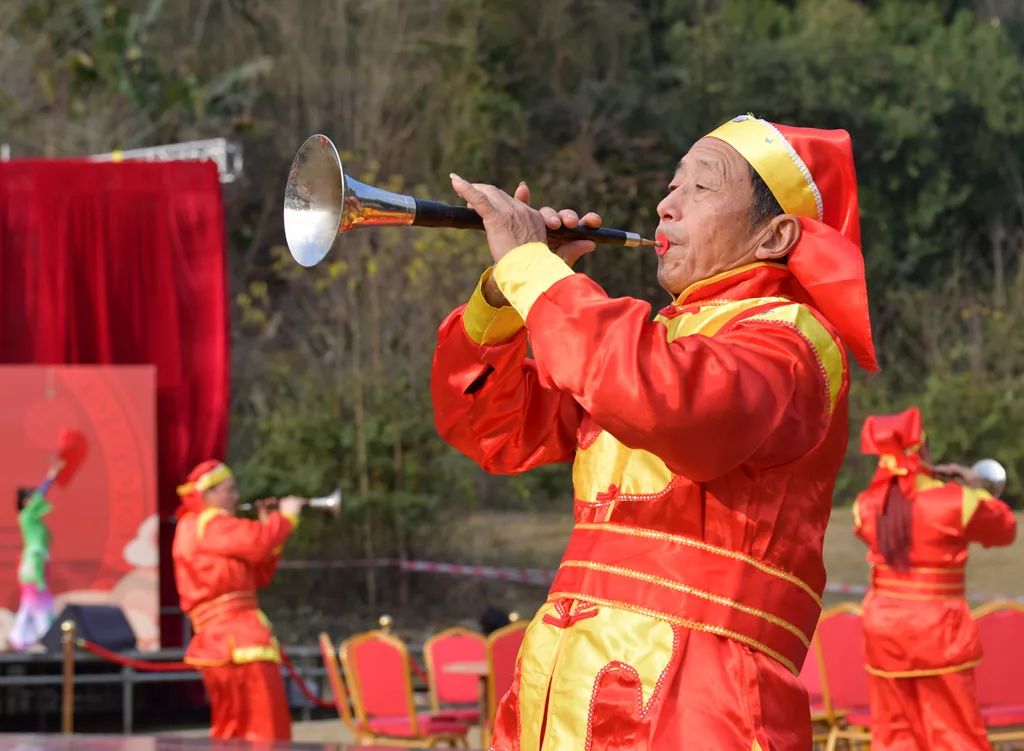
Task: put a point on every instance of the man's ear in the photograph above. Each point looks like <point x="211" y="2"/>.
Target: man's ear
<point x="778" y="237"/>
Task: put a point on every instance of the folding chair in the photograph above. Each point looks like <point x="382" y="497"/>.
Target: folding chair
<point x="333" y="667"/>
<point x="844" y="678"/>
<point x="810" y="677"/>
<point x="377" y="670"/>
<point x="450" y="693"/>
<point x="998" y="676"/>
<point x="502" y="652"/>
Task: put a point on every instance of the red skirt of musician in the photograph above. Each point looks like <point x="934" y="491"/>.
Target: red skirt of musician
<point x="247" y="701"/>
<point x="920" y="657"/>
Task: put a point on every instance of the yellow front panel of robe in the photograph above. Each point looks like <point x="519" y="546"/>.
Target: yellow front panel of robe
<point x="573" y="657"/>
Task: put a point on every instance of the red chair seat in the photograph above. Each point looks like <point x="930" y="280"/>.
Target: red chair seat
<point x="469" y="715"/>
<point x="429" y="724"/>
<point x="1002" y="715"/>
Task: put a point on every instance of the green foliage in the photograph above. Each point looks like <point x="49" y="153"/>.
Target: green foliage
<point x="590" y="101"/>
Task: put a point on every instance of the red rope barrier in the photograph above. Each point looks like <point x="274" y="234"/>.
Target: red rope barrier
<point x="171" y="667"/>
<point x="315" y="700"/>
<point x="141" y="665"/>
<point x="418" y="670"/>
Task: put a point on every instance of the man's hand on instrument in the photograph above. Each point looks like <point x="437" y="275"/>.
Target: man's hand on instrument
<point x="509" y="222"/>
<point x="959" y="473"/>
<point x="513" y="226"/>
<point x="291" y="505"/>
<point x="264" y="507"/>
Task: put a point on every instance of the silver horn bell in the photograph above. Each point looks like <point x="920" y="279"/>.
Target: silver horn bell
<point x="329" y="503"/>
<point x="321" y="202"/>
<point x="993" y="474"/>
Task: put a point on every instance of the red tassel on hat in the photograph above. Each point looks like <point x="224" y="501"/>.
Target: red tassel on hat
<point x="828" y="261"/>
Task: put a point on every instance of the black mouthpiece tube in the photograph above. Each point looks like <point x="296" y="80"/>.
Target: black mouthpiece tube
<point x="437" y="214"/>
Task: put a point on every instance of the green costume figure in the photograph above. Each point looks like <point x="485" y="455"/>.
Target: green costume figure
<point x="36" y="611"/>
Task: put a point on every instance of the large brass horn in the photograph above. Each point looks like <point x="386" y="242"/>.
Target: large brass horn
<point x="321" y="203"/>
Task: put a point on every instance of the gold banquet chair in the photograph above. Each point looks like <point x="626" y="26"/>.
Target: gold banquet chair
<point x="844" y="677"/>
<point x="998" y="678"/>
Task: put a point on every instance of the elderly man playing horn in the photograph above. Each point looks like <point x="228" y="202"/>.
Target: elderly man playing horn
<point x="705" y="442"/>
<point x="220" y="562"/>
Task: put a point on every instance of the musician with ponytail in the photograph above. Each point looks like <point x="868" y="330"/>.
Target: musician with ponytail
<point x="921" y="643"/>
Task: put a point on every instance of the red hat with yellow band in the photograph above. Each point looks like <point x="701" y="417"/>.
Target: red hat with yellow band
<point x="203" y="476"/>
<point x="811" y="174"/>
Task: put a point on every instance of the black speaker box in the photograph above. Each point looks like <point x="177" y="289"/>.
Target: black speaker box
<point x="101" y="624"/>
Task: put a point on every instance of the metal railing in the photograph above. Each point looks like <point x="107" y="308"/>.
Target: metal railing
<point x="67" y="677"/>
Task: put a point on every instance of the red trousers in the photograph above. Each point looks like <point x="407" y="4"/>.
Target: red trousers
<point x="247" y="701"/>
<point x="935" y="713"/>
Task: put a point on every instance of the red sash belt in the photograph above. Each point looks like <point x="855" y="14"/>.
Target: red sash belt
<point x="918" y="583"/>
<point x="222" y="608"/>
<point x="690" y="583"/>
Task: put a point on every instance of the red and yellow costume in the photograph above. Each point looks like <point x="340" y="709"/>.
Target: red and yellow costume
<point x="705" y="446"/>
<point x="921" y="642"/>
<point x="220" y="562"/>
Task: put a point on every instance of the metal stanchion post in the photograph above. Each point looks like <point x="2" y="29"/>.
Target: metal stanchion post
<point x="67" y="629"/>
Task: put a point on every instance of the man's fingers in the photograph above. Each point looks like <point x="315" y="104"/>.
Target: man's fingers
<point x="496" y="197"/>
<point x="523" y="193"/>
<point x="474" y="197"/>
<point x="592" y="219"/>
<point x="569" y="218"/>
<point x="572" y="251"/>
<point x="551" y="218"/>
<point x="485" y="199"/>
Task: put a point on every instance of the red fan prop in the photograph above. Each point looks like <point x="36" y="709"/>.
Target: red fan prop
<point x="71" y="448"/>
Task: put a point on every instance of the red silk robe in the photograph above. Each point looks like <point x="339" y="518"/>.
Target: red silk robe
<point x="921" y="642"/>
<point x="705" y="445"/>
<point x="220" y="562"/>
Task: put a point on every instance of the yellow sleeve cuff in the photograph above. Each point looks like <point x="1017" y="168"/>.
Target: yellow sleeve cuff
<point x="293" y="518"/>
<point x="526" y="272"/>
<point x="486" y="324"/>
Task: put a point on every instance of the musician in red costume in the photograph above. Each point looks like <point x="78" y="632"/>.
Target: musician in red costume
<point x="920" y="638"/>
<point x="220" y="562"/>
<point x="705" y="442"/>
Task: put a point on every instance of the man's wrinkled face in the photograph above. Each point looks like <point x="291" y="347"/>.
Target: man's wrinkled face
<point x="223" y="495"/>
<point x="706" y="216"/>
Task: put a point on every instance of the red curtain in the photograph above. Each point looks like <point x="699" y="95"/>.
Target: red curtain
<point x="124" y="263"/>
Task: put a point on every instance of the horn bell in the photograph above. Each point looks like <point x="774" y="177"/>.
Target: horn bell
<point x="329" y="503"/>
<point x="993" y="474"/>
<point x="321" y="202"/>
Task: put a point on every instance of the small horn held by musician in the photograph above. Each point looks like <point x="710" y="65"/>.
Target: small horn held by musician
<point x="220" y="563"/>
<point x="705" y="442"/>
